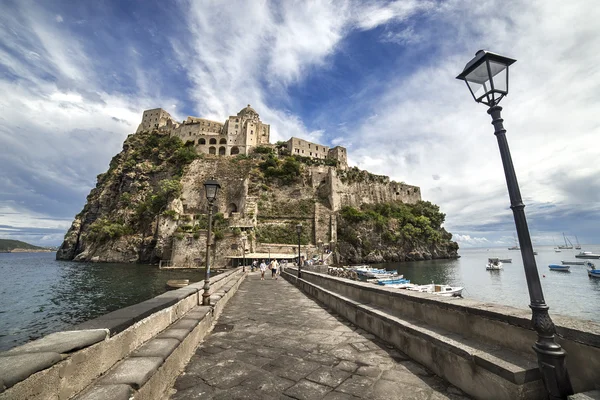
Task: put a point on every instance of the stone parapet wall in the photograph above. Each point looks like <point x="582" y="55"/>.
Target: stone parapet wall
<point x="458" y="324"/>
<point x="117" y="352"/>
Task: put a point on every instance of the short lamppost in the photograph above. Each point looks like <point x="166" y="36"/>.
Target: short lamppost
<point x="486" y="76"/>
<point x="212" y="188"/>
<point x="320" y="248"/>
<point x="243" y="253"/>
<point x="299" y="231"/>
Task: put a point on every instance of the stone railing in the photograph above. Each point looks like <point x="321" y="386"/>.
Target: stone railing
<point x="132" y="353"/>
<point x="484" y="349"/>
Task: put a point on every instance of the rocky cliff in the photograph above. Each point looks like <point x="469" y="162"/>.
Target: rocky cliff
<point x="391" y="232"/>
<point x="150" y="206"/>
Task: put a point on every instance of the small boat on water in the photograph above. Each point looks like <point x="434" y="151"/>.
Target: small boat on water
<point x="587" y="254"/>
<point x="369" y="272"/>
<point x="573" y="262"/>
<point x="567" y="246"/>
<point x="440" y="290"/>
<point x="177" y="283"/>
<point x="505" y="260"/>
<point x="557" y="250"/>
<point x="401" y="286"/>
<point x="577" y="246"/>
<point x="393" y="282"/>
<point x="493" y="264"/>
<point x="385" y="279"/>
<point x="556" y="267"/>
<point x="592" y="271"/>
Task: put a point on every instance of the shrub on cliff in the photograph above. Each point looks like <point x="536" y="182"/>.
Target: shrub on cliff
<point x="420" y="222"/>
<point x="287" y="171"/>
<point x="104" y="229"/>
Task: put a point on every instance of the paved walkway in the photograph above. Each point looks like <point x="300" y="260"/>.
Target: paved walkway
<point x="274" y="342"/>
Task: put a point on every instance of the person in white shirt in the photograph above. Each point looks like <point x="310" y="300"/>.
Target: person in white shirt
<point x="263" y="268"/>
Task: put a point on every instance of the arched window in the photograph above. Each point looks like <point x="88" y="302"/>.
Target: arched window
<point x="221" y="151"/>
<point x="213" y="141"/>
<point x="212" y="150"/>
<point x="235" y="150"/>
<point x="231" y="208"/>
<point x="202" y="141"/>
<point x="223" y="141"/>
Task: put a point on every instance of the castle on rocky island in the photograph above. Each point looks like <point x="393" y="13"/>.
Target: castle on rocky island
<point x="237" y="135"/>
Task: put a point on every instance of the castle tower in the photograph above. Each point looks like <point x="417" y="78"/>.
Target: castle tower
<point x="155" y="118"/>
<point x="339" y="153"/>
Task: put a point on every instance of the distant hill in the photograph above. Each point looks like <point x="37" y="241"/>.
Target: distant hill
<point x="8" y="245"/>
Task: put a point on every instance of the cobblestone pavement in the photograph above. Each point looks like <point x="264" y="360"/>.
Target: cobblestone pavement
<point x="274" y="342"/>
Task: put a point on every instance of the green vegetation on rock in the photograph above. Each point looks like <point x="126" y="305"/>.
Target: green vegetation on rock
<point x="287" y="171"/>
<point x="399" y="221"/>
<point x="282" y="233"/>
<point x="394" y="232"/>
<point x="302" y="208"/>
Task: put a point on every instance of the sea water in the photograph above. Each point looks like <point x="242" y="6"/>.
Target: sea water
<point x="568" y="293"/>
<point x="39" y="295"/>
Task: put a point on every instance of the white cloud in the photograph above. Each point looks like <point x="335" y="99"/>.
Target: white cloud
<point x="468" y="241"/>
<point x="428" y="122"/>
<point x="276" y="43"/>
<point x="59" y="19"/>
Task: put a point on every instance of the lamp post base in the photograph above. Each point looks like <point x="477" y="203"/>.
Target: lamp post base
<point x="206" y="294"/>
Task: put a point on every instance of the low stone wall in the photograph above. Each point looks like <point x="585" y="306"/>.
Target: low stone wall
<point x="414" y="321"/>
<point x="135" y="352"/>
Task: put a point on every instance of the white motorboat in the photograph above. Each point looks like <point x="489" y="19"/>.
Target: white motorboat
<point x="440" y="290"/>
<point x="493" y="264"/>
<point x="386" y="278"/>
<point x="573" y="262"/>
<point x="587" y="254"/>
<point x="402" y="285"/>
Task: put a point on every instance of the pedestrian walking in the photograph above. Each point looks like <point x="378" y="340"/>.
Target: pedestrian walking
<point x="254" y="265"/>
<point x="263" y="268"/>
<point x="274" y="265"/>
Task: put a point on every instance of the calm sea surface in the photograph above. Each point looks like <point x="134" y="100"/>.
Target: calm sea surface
<point x="39" y="295"/>
<point x="567" y="293"/>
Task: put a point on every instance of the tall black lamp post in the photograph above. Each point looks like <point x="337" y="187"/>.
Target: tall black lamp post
<point x="243" y="253"/>
<point x="299" y="231"/>
<point x="212" y="188"/>
<point x="486" y="76"/>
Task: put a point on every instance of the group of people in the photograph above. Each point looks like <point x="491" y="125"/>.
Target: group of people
<point x="273" y="266"/>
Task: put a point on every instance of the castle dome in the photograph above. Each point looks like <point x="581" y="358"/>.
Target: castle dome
<point x="247" y="110"/>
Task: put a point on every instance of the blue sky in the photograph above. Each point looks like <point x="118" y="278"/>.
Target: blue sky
<point x="374" y="76"/>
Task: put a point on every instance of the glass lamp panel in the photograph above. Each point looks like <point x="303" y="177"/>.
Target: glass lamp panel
<point x="211" y="192"/>
<point x="500" y="76"/>
<point x="479" y="81"/>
